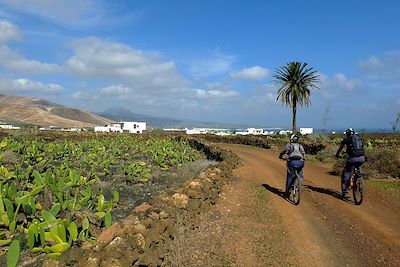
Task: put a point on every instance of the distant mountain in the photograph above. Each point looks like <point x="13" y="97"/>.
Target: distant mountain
<point x="39" y="112"/>
<point x="122" y="114"/>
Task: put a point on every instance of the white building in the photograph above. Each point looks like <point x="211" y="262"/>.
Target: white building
<point x="9" y="127"/>
<point x="207" y="131"/>
<point x="133" y="126"/>
<point x="285" y="132"/>
<point x="125" y="126"/>
<point x="304" y="131"/>
<point x="253" y="131"/>
<point x="114" y="128"/>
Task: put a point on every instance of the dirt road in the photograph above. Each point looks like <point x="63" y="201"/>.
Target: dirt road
<point x="253" y="225"/>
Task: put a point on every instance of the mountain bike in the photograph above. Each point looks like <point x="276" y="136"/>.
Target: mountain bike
<point x="356" y="184"/>
<point x="295" y="187"/>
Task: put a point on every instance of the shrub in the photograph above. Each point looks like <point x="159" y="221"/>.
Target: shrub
<point x="327" y="155"/>
<point x="383" y="163"/>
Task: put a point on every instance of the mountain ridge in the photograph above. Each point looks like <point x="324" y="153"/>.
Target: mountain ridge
<point x="33" y="111"/>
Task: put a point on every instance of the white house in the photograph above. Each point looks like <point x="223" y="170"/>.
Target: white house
<point x="9" y="127"/>
<point x="114" y="128"/>
<point x="197" y="131"/>
<point x="125" y="126"/>
<point x="304" y="131"/>
<point x="253" y="131"/>
<point x="133" y="126"/>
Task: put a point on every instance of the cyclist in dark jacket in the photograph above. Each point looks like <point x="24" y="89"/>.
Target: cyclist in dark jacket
<point x="355" y="155"/>
<point x="295" y="156"/>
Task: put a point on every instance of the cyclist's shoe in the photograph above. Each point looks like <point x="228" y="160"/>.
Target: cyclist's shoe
<point x="345" y="191"/>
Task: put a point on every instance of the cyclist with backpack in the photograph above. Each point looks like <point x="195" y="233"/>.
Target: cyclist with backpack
<point x="355" y="155"/>
<point x="295" y="155"/>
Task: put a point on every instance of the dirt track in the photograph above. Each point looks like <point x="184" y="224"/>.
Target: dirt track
<point x="253" y="225"/>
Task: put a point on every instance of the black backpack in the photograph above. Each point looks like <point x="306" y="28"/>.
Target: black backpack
<point x="356" y="146"/>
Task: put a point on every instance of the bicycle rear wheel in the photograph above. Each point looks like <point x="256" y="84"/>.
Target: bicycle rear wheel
<point x="296" y="190"/>
<point x="358" y="189"/>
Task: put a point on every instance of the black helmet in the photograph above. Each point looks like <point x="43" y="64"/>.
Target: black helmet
<point x="349" y="132"/>
<point x="294" y="138"/>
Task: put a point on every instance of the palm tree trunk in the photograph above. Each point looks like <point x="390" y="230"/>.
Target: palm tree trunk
<point x="294" y="111"/>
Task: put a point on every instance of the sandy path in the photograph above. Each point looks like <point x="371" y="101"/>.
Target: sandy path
<point x="260" y="228"/>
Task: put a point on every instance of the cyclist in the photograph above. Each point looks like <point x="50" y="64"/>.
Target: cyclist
<point x="295" y="156"/>
<point x="355" y="155"/>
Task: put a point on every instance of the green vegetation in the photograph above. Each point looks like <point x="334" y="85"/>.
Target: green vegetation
<point x="50" y="198"/>
<point x="296" y="81"/>
<point x="390" y="187"/>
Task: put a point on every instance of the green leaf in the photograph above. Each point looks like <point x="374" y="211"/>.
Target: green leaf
<point x="37" y="190"/>
<point x="38" y="178"/>
<point x="73" y="231"/>
<point x="55" y="235"/>
<point x="42" y="236"/>
<point x="9" y="208"/>
<point x="31" y="237"/>
<point x="100" y="214"/>
<point x="55" y="209"/>
<point x="85" y="224"/>
<point x="13" y="253"/>
<point x="60" y="248"/>
<point x="62" y="232"/>
<point x="82" y="235"/>
<point x="12" y="191"/>
<point x="12" y="226"/>
<point x="47" y="216"/>
<point x="23" y="200"/>
<point x="108" y="219"/>
<point x="100" y="202"/>
<point x="54" y="256"/>
<point x="37" y="249"/>
<point x="116" y="197"/>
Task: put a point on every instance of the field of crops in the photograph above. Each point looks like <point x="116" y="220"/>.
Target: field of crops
<point x="52" y="193"/>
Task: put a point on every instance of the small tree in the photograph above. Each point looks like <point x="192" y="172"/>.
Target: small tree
<point x="296" y="81"/>
<point x="395" y="122"/>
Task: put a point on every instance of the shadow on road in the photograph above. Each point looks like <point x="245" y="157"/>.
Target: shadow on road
<point x="326" y="191"/>
<point x="274" y="190"/>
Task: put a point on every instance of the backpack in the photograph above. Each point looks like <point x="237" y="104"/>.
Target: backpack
<point x="356" y="146"/>
<point x="294" y="152"/>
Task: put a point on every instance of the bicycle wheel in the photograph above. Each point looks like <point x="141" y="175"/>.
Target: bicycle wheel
<point x="358" y="189"/>
<point x="296" y="190"/>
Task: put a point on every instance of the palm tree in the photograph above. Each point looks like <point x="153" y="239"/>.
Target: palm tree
<point x="296" y="80"/>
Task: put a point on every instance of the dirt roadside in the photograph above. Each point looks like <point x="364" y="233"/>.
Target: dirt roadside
<point x="253" y="225"/>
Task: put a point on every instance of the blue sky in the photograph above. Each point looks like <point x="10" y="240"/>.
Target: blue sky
<point x="205" y="60"/>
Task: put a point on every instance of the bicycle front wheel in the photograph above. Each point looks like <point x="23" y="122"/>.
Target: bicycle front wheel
<point x="358" y="189"/>
<point x="296" y="190"/>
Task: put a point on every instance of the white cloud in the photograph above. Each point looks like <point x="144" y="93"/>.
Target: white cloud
<point x="262" y="95"/>
<point x="85" y="96"/>
<point x="371" y="64"/>
<point x="118" y="62"/>
<point x="217" y="64"/>
<point x="338" y="85"/>
<point x="8" y="31"/>
<point x="386" y="66"/>
<point x="250" y="74"/>
<point x="8" y="85"/>
<point x="12" y="60"/>
<point x="115" y="90"/>
<point x="66" y="11"/>
<point x="214" y="94"/>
